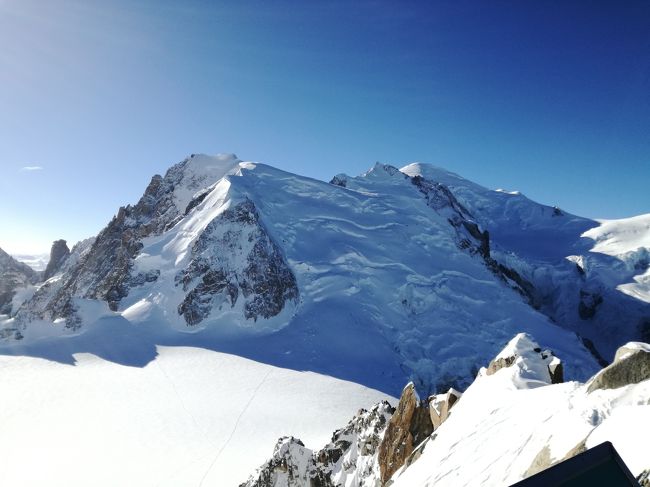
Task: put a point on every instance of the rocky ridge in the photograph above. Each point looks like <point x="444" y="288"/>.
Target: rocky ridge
<point x="409" y="443"/>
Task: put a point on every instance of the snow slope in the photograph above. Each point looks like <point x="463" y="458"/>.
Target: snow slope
<point x="590" y="276"/>
<point x="628" y="240"/>
<point x="190" y="417"/>
<point x="513" y="423"/>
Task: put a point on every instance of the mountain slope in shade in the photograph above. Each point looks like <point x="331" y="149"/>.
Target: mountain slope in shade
<point x="393" y="275"/>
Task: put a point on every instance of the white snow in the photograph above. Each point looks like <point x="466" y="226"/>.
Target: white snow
<point x="190" y="417"/>
<point x="617" y="237"/>
<point x="628" y="240"/>
<point x="500" y="425"/>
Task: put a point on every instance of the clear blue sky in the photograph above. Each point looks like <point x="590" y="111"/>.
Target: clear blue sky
<point x="549" y="98"/>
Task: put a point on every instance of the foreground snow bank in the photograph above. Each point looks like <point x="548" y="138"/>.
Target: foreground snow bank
<point x="191" y="417"/>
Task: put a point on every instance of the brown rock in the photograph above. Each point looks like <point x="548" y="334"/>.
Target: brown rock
<point x="409" y="426"/>
<point x="440" y="404"/>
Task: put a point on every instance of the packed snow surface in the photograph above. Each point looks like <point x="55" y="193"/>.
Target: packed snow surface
<point x="189" y="417"/>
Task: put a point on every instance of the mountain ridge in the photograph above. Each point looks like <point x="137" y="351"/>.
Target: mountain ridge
<point x="394" y="259"/>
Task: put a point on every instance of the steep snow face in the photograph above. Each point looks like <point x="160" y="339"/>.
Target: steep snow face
<point x="591" y="277"/>
<point x="516" y="223"/>
<point x="514" y="423"/>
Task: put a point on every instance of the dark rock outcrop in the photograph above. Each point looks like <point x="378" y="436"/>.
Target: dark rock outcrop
<point x="340" y="180"/>
<point x="409" y="426"/>
<point x="214" y="277"/>
<point x="589" y="303"/>
<point x="352" y="452"/>
<point x="631" y="365"/>
<point x="58" y="254"/>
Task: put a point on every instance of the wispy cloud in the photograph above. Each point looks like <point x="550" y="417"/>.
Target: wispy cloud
<point x="31" y="168"/>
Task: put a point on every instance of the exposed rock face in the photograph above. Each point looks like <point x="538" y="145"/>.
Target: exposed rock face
<point x="13" y="275"/>
<point x="214" y="277"/>
<point x="631" y="365"/>
<point x="42" y="305"/>
<point x="289" y="466"/>
<point x="104" y="271"/>
<point x="410" y="425"/>
<point x="644" y="478"/>
<point x="58" y="254"/>
<point x="542" y="461"/>
<point x="351" y="456"/>
<point x="441" y="404"/>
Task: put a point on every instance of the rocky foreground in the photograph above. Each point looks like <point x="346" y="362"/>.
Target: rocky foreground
<point x="515" y="420"/>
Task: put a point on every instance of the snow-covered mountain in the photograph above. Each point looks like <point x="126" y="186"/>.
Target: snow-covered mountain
<point x="14" y="276"/>
<point x="236" y="301"/>
<point x="516" y="419"/>
<point x="413" y="274"/>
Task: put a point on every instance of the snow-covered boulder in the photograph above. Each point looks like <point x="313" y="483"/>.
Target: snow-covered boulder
<point x="531" y="361"/>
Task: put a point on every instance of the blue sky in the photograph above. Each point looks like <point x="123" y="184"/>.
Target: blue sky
<point x="549" y="98"/>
